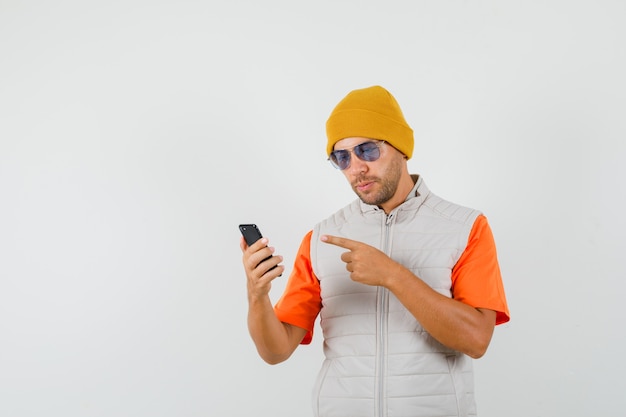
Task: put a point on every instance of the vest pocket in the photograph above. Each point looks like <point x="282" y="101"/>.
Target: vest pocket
<point x="321" y="376"/>
<point x="457" y="383"/>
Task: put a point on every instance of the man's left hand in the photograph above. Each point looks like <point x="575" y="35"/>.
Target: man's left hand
<point x="365" y="263"/>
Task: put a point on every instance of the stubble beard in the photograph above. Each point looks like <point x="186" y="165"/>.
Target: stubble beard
<point x="388" y="185"/>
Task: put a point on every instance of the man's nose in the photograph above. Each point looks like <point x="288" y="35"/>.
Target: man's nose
<point x="357" y="165"/>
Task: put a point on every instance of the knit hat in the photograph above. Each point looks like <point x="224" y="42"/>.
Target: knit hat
<point x="371" y="113"/>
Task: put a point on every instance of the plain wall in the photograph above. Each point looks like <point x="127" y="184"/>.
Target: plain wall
<point x="136" y="135"/>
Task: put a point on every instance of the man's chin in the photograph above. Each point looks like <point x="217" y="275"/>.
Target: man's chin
<point x="368" y="199"/>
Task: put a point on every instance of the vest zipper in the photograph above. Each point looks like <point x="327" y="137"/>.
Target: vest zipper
<point x="383" y="305"/>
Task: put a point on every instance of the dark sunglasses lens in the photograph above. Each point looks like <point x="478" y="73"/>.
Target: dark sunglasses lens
<point x="368" y="151"/>
<point x="340" y="158"/>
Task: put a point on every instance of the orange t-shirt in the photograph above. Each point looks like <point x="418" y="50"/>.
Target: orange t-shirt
<point x="476" y="281"/>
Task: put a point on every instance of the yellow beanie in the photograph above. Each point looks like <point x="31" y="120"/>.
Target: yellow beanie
<point x="371" y="113"/>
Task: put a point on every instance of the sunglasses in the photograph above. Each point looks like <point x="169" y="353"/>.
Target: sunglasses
<point x="367" y="151"/>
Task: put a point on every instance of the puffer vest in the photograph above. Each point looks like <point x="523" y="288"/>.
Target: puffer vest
<point x="379" y="360"/>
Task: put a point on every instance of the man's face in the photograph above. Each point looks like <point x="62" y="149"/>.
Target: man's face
<point x="375" y="182"/>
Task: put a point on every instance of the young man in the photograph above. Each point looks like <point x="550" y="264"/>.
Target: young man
<point x="407" y="284"/>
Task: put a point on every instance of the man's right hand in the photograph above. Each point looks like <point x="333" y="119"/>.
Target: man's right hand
<point x="260" y="271"/>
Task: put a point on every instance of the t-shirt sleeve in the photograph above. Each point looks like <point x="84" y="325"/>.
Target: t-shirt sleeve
<point x="476" y="278"/>
<point x="301" y="301"/>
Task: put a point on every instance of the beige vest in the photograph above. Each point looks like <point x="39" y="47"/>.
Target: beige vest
<point x="380" y="362"/>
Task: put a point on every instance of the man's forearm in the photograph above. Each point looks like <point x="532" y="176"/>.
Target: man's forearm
<point x="455" y="324"/>
<point x="270" y="335"/>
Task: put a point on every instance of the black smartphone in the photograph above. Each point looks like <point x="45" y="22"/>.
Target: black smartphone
<point x="251" y="234"/>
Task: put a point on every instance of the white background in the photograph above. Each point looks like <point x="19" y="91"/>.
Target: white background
<point x="136" y="135"/>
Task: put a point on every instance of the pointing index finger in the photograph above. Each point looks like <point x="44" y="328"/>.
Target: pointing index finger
<point x="340" y="241"/>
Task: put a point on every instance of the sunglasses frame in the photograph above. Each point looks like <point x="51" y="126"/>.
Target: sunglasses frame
<point x="356" y="150"/>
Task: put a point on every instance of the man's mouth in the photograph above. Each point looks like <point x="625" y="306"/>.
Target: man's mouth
<point x="364" y="185"/>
